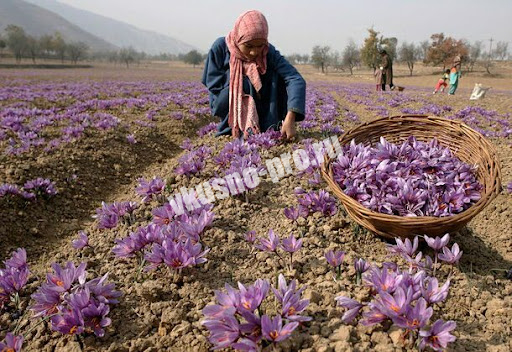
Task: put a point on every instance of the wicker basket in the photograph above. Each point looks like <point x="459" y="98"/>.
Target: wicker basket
<point x="467" y="144"/>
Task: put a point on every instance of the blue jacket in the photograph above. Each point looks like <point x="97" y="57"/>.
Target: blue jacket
<point x="283" y="88"/>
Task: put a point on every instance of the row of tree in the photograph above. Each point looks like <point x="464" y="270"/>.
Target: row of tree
<point x="439" y="51"/>
<point x="47" y="46"/>
<point x="22" y="45"/>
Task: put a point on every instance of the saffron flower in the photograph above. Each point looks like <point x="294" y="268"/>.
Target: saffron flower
<point x="437" y="243"/>
<point x="438" y="337"/>
<point x="250" y="236"/>
<point x="273" y="329"/>
<point x="75" y="305"/>
<point x="451" y="256"/>
<point x="361" y="266"/>
<point x="291" y="244"/>
<point x="11" y="343"/>
<point x="353" y="308"/>
<point x="334" y="258"/>
<point x="416" y="317"/>
<point x="81" y="242"/>
<point x="14" y="277"/>
<point x="270" y="244"/>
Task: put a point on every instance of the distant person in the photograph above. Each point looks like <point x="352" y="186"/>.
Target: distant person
<point x="455" y="74"/>
<point x="252" y="86"/>
<point x="441" y="84"/>
<point x="378" y="79"/>
<point x="386" y="66"/>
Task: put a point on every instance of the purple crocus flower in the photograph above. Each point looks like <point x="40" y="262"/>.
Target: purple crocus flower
<point x="273" y="329"/>
<point x="131" y="139"/>
<point x="283" y="287"/>
<point x="437" y="243"/>
<point x="438" y="336"/>
<point x="334" y="258"/>
<point x="381" y="280"/>
<point x="9" y="189"/>
<point x="228" y="303"/>
<point x="415" y="318"/>
<point x="509" y="187"/>
<point x="404" y="248"/>
<point x="104" y="292"/>
<point x="63" y="277"/>
<point x="396" y="304"/>
<point x="125" y="247"/>
<point x="95" y="318"/>
<point x="373" y="316"/>
<point x="246" y="345"/>
<point x="293" y="306"/>
<point x="18" y="259"/>
<point x="68" y="322"/>
<point x="11" y="343"/>
<point x="270" y="244"/>
<point x="361" y="266"/>
<point x="353" y="307"/>
<point x="47" y="301"/>
<point x="252" y="296"/>
<point x="41" y="185"/>
<point x="432" y="293"/>
<point x="223" y="332"/>
<point x="292" y="213"/>
<point x="81" y="242"/>
<point x="451" y="256"/>
<point x="291" y="244"/>
<point x="250" y="236"/>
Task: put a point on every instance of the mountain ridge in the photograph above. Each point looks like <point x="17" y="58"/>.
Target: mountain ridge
<point x="37" y="21"/>
<point x="116" y="32"/>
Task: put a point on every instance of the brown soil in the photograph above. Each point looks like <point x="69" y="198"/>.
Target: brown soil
<point x="163" y="313"/>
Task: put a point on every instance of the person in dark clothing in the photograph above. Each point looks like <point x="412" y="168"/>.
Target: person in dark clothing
<point x="386" y="66"/>
<point x="252" y="87"/>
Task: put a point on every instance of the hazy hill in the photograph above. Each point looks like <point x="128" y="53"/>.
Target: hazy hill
<point x="116" y="32"/>
<point x="38" y="21"/>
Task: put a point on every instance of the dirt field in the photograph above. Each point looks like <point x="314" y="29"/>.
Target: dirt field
<point x="160" y="311"/>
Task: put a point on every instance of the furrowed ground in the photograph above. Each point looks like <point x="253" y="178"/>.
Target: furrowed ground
<point x="83" y="118"/>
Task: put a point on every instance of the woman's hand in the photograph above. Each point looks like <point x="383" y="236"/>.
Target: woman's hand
<point x="288" y="129"/>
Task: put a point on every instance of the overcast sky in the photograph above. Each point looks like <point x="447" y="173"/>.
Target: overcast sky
<point x="295" y="26"/>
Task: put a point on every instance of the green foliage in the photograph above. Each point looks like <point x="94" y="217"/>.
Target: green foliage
<point x="193" y="57"/>
<point x="369" y="52"/>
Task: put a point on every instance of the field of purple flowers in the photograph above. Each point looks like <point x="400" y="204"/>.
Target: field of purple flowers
<point x="95" y="258"/>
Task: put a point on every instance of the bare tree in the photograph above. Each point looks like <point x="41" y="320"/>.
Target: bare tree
<point x="16" y="41"/>
<point x="47" y="45"/>
<point x="409" y="54"/>
<point x="127" y="56"/>
<point x="501" y="51"/>
<point x="320" y="57"/>
<point x="33" y="48"/>
<point x="351" y="56"/>
<point x="424" y="45"/>
<point x="474" y="54"/>
<point x="59" y="46"/>
<point x="3" y="44"/>
<point x="77" y="51"/>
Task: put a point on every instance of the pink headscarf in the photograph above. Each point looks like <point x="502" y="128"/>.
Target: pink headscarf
<point x="242" y="108"/>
